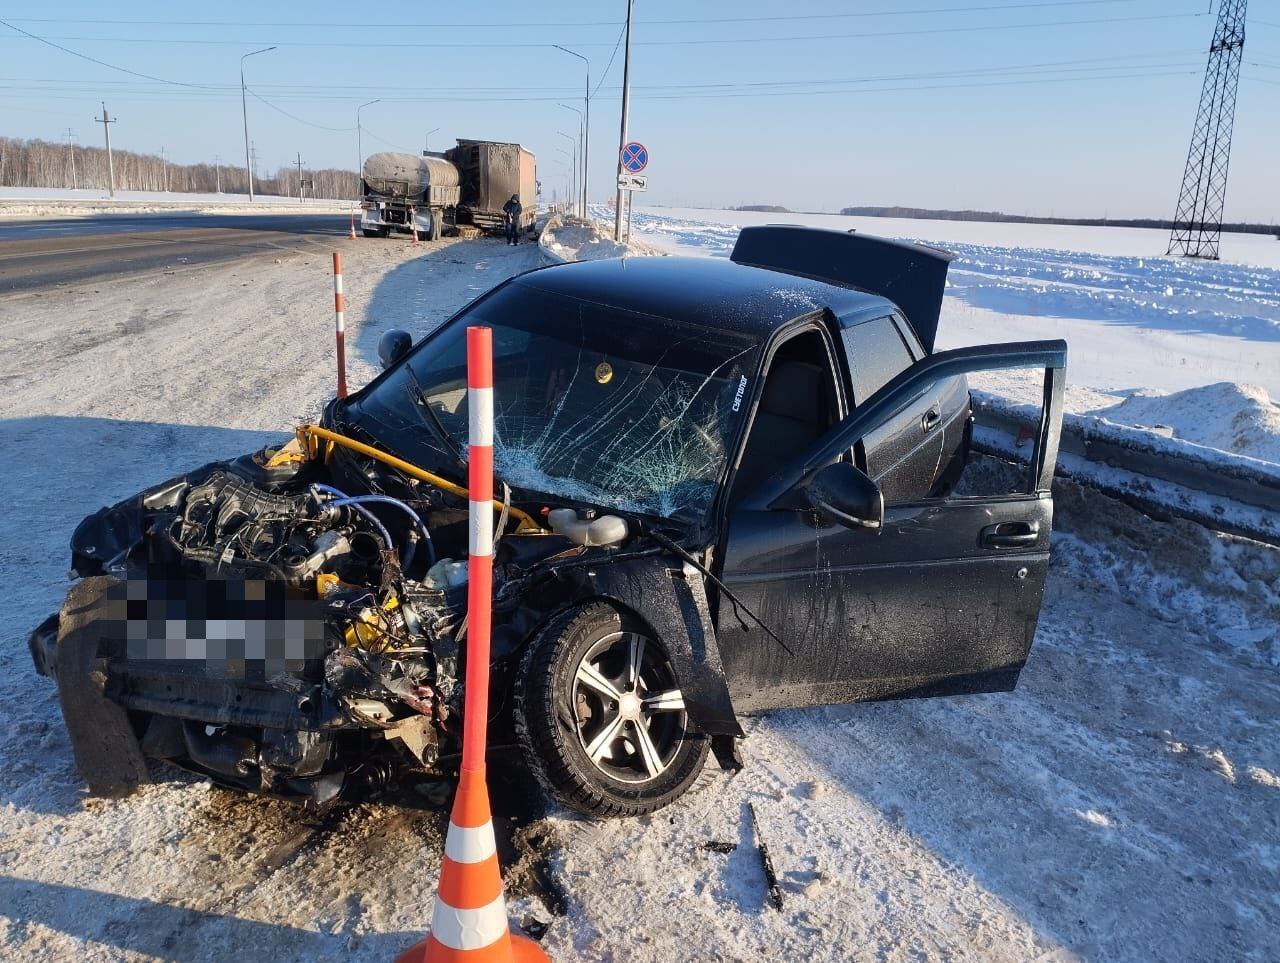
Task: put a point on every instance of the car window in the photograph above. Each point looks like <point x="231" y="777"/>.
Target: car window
<point x="876" y="354"/>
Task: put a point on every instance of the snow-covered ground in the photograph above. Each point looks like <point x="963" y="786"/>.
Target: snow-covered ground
<point x="1121" y="804"/>
<point x="57" y="202"/>
<point x="1135" y="322"/>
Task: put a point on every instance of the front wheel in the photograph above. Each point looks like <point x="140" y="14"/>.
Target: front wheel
<point x="600" y="715"/>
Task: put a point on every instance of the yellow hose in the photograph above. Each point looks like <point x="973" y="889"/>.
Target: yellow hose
<point x="308" y="433"/>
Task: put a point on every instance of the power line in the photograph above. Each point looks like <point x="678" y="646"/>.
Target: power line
<point x="918" y="11"/>
<point x="339" y="130"/>
<point x="100" y="63"/>
<point x="697" y="42"/>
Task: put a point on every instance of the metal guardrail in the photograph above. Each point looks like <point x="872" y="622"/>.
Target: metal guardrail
<point x="1160" y="476"/>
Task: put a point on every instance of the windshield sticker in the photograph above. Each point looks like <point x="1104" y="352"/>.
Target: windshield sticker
<point x="740" y="393"/>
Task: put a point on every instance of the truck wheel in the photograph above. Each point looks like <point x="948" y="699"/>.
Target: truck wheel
<point x="600" y="715"/>
<point x="372" y="233"/>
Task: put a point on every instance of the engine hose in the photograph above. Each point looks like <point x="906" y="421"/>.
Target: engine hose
<point x="370" y="516"/>
<point x="357" y="501"/>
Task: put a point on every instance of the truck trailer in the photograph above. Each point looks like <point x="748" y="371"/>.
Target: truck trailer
<point x="466" y="185"/>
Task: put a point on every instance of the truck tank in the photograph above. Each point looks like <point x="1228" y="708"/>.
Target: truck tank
<point x="428" y="179"/>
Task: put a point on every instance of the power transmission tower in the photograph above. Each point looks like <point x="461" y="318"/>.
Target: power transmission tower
<point x="106" y="119"/>
<point x="1197" y="224"/>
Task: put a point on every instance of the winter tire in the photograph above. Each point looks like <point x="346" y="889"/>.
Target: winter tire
<point x="600" y="715"/>
<point x="374" y="232"/>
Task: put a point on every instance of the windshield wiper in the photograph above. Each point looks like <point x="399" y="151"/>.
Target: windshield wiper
<point x="431" y="420"/>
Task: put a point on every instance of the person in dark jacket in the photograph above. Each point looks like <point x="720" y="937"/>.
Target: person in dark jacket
<point x="512" y="211"/>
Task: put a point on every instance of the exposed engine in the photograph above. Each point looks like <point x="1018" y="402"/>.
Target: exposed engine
<point x="387" y="664"/>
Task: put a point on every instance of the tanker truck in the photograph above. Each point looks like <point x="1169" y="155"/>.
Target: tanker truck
<point x="466" y="185"/>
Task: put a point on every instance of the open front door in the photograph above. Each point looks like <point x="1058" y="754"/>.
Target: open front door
<point x="930" y="596"/>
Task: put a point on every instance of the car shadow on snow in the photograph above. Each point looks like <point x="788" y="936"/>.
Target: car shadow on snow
<point x="167" y="931"/>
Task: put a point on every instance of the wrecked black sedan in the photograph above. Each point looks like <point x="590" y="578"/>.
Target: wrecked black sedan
<point x="725" y="486"/>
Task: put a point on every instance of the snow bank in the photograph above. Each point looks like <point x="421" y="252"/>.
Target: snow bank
<point x="1226" y="416"/>
<point x="567" y="238"/>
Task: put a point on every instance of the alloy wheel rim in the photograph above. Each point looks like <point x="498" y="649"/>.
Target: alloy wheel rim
<point x="628" y="711"/>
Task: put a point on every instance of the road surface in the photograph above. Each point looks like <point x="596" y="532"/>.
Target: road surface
<point x="45" y="252"/>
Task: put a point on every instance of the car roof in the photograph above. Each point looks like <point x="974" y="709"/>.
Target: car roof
<point x="710" y="291"/>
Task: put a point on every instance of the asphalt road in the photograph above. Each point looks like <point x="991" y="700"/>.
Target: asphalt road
<point x="45" y="252"/>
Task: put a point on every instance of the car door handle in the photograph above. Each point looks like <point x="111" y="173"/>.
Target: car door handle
<point x="929" y="420"/>
<point x="1010" y="535"/>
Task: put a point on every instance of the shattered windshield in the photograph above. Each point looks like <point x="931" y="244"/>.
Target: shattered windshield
<point x="591" y="403"/>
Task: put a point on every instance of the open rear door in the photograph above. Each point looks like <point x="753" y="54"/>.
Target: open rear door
<point x="941" y="596"/>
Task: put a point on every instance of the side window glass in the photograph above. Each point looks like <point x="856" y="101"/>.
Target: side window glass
<point x="876" y="354"/>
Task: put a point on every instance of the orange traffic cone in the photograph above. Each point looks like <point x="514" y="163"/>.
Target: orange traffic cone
<point x="352" y="235"/>
<point x="469" y="923"/>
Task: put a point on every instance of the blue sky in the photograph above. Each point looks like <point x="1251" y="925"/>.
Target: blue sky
<point x="1078" y="107"/>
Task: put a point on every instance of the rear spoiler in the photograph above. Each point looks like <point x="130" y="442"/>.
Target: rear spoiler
<point x="910" y="275"/>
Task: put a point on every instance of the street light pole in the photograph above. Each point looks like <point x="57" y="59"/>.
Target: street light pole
<point x="244" y="110"/>
<point x="586" y="140"/>
<point x="573" y="156"/>
<point x="582" y="150"/>
<point x="360" y="143"/>
<point x="568" y="177"/>
<point x="426" y="144"/>
<point x="622" y="137"/>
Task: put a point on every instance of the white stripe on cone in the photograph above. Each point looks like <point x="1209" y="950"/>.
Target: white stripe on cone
<point x="481" y="528"/>
<point x="469" y="929"/>
<point x="480" y="416"/>
<point x="470" y="844"/>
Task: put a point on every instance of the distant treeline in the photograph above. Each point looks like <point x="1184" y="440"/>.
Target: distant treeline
<point x="935" y="215"/>
<point x="39" y="163"/>
<point x="765" y="208"/>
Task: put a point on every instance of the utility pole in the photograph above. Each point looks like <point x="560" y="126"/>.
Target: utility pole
<point x="622" y="137"/>
<point x="71" y="144"/>
<point x="164" y="170"/>
<point x="582" y="152"/>
<point x="244" y="109"/>
<point x="299" y="178"/>
<point x="217" y="172"/>
<point x="105" y="120"/>
<point x="573" y="160"/>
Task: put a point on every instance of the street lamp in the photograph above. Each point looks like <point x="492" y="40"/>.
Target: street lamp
<point x="586" y="156"/>
<point x="573" y="144"/>
<point x="582" y="148"/>
<point x="426" y="144"/>
<point x="244" y="110"/>
<point x="360" y="143"/>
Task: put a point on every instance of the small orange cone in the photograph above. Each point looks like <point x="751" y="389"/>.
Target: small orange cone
<point x="469" y="923"/>
<point x="352" y="235"/>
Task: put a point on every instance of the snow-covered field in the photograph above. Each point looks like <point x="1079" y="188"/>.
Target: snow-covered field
<point x="1135" y="321"/>
<point x="1121" y="804"/>
<point x="48" y="201"/>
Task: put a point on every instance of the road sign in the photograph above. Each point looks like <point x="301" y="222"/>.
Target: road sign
<point x="633" y="182"/>
<point x="635" y="157"/>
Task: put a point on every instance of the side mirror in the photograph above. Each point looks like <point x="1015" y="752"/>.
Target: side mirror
<point x="393" y="346"/>
<point x="848" y="496"/>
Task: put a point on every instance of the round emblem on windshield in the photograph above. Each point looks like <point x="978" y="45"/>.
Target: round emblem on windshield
<point x="604" y="372"/>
